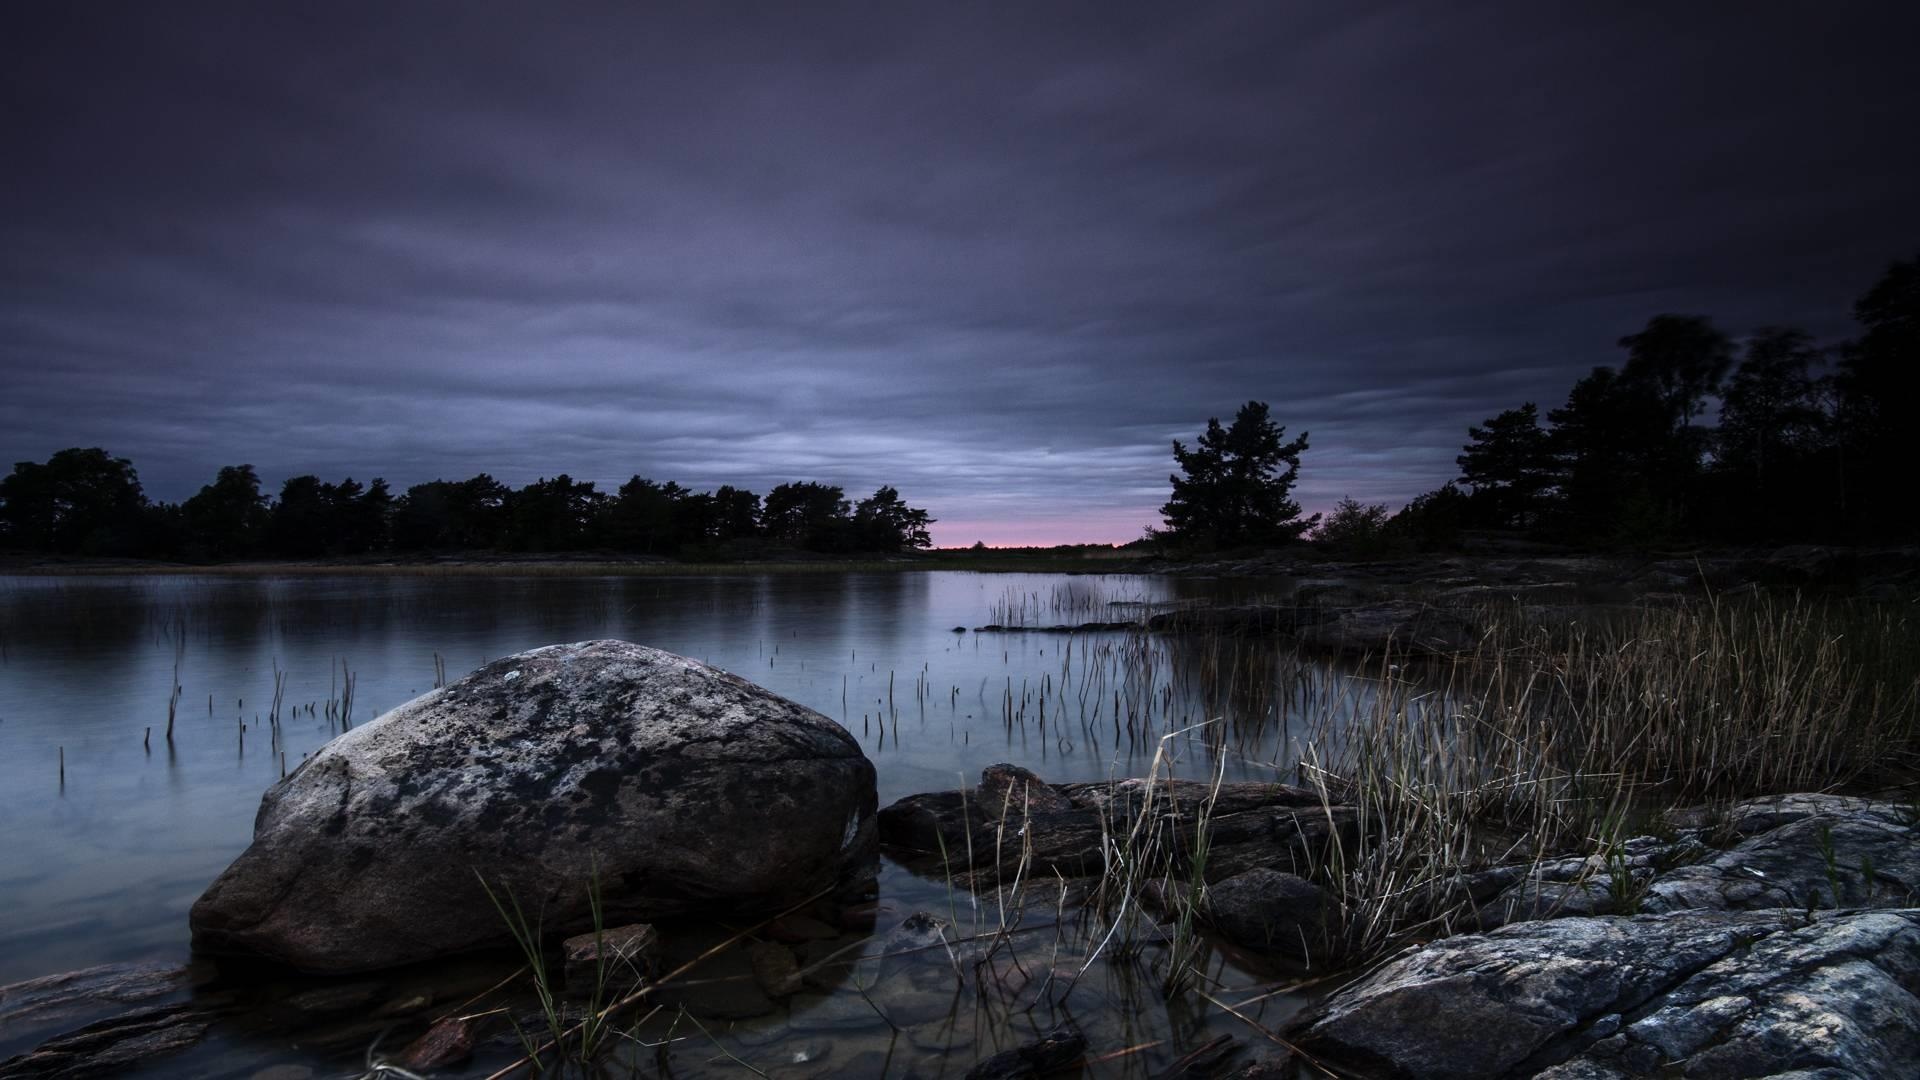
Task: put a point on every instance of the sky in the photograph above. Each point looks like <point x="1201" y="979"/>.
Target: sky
<point x="998" y="256"/>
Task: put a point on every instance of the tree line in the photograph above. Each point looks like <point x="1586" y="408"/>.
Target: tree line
<point x="1694" y="437"/>
<point x="84" y="501"/>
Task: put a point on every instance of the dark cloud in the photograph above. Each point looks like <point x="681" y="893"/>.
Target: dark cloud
<point x="996" y="255"/>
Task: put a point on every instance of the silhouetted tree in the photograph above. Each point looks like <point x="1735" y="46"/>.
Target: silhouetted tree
<point x="301" y="524"/>
<point x="1619" y="463"/>
<point x="1682" y="358"/>
<point x="736" y="514"/>
<point x="446" y="515"/>
<point x="228" y="518"/>
<point x="884" y="522"/>
<point x="807" y="515"/>
<point x="1356" y="529"/>
<point x="553" y="515"/>
<point x="1232" y="489"/>
<point x="80" y="502"/>
<point x="1434" y="519"/>
<point x="1878" y="384"/>
<point x="1772" y="432"/>
<point x="1509" y="464"/>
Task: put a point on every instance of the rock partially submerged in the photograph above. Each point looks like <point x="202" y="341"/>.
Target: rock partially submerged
<point x="1015" y="817"/>
<point x="1698" y="993"/>
<point x="677" y="787"/>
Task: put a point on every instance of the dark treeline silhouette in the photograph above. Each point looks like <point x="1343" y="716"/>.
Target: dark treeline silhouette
<point x="1808" y="444"/>
<point x="1695" y="438"/>
<point x="88" y="502"/>
<point x="1805" y="444"/>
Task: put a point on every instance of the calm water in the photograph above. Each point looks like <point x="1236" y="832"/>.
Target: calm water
<point x="103" y="864"/>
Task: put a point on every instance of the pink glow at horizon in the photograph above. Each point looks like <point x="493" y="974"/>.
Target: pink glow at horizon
<point x="1099" y="527"/>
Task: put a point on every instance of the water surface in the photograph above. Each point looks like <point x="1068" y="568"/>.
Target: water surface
<point x="103" y="862"/>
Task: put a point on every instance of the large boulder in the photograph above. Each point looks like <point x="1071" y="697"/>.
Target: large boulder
<point x="677" y="787"/>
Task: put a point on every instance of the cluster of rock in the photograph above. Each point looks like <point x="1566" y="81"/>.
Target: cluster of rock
<point x="1781" y="936"/>
<point x="1796" y="951"/>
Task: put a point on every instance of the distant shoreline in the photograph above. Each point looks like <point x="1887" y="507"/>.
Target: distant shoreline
<point x="492" y="565"/>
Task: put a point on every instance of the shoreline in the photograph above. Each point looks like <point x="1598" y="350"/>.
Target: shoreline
<point x="584" y="567"/>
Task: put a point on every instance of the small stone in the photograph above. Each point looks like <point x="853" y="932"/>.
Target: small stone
<point x="446" y="1043"/>
<point x="632" y="953"/>
<point x="775" y="969"/>
<point x="1269" y="910"/>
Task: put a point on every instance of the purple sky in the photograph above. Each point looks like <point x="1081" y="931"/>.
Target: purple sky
<point x="995" y="255"/>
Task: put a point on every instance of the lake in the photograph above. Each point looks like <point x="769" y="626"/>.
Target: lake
<point x="112" y="830"/>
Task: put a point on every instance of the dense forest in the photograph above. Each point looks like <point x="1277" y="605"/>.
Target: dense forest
<point x="1695" y="438"/>
<point x="88" y="502"/>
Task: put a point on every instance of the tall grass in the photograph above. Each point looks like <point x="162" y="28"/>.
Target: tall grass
<point x="1547" y="737"/>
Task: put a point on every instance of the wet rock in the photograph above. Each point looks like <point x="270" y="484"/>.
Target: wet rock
<point x="631" y="952"/>
<point x="1802" y="851"/>
<point x="113" y="1045"/>
<point x="55" y="999"/>
<point x="1054" y="1050"/>
<point x="775" y="969"/>
<point x="679" y="787"/>
<point x="1274" y="1066"/>
<point x="1268" y="910"/>
<point x="447" y="1043"/>
<point x="1699" y="993"/>
<point x="1251" y="824"/>
<point x="1009" y="790"/>
<point x="1405" y="626"/>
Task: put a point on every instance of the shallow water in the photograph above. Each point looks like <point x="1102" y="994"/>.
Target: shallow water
<point x="102" y="863"/>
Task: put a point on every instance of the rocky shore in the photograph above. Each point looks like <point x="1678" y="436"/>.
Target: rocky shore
<point x="666" y="818"/>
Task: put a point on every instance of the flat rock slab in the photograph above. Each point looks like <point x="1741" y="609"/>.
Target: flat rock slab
<point x="54" y="999"/>
<point x="1060" y="828"/>
<point x="113" y="1045"/>
<point x="677" y="787"/>
<point x="1697" y="993"/>
<point x="1818" y="851"/>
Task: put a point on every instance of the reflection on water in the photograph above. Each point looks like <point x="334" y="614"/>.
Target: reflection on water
<point x="104" y="860"/>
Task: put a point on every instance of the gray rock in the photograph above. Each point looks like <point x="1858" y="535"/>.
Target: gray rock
<point x="1803" y="851"/>
<point x="1268" y="910"/>
<point x="63" y="998"/>
<point x="1403" y="626"/>
<point x="680" y="788"/>
<point x="1699" y="993"/>
<point x="114" y="1045"/>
